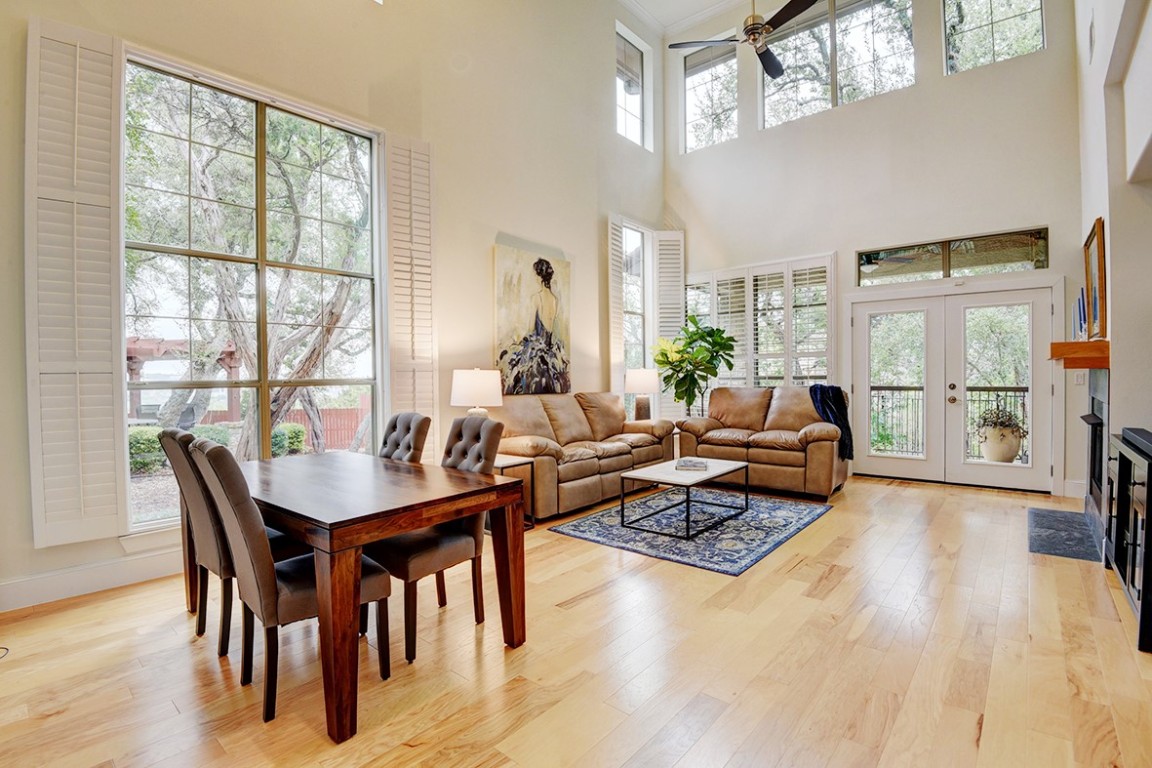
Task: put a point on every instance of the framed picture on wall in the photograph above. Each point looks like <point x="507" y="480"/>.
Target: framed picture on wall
<point x="1094" y="282"/>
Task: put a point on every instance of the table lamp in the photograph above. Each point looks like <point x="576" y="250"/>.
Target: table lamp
<point x="476" y="388"/>
<point x="642" y="382"/>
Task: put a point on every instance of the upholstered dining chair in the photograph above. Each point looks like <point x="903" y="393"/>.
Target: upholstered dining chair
<point x="404" y="436"/>
<point x="208" y="541"/>
<point x="472" y="445"/>
<point x="275" y="593"/>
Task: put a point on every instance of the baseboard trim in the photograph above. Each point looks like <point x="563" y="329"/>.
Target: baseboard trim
<point x="85" y="579"/>
<point x="1076" y="489"/>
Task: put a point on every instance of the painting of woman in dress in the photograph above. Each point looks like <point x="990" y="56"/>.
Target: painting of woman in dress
<point x="532" y="322"/>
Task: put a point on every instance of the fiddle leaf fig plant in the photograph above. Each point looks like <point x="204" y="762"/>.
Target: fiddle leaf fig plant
<point x="688" y="362"/>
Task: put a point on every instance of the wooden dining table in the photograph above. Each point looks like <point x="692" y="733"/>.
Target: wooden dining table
<point x="339" y="501"/>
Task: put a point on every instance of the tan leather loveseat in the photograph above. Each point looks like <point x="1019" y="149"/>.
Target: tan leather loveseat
<point x="580" y="444"/>
<point x="787" y="445"/>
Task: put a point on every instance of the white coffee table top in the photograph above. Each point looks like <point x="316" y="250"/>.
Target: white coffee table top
<point x="667" y="473"/>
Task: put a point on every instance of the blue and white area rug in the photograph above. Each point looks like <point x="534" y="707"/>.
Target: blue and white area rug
<point x="731" y="548"/>
<point x="1061" y="533"/>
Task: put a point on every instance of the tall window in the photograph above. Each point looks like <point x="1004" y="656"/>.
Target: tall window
<point x="629" y="90"/>
<point x="871" y="53"/>
<point x="249" y="279"/>
<point x="637" y="303"/>
<point x="709" y="97"/>
<point x="779" y="314"/>
<point x="979" y="32"/>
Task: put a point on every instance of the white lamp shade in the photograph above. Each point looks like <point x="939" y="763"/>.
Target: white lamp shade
<point x="476" y="387"/>
<point x="641" y="381"/>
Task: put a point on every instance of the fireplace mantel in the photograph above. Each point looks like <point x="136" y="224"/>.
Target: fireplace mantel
<point x="1081" y="354"/>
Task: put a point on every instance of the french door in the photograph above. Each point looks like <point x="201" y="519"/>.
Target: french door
<point x="926" y="370"/>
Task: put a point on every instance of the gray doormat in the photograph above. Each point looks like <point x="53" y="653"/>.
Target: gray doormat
<point x="1061" y="533"/>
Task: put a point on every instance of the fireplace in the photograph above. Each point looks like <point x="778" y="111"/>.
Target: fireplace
<point x="1096" y="502"/>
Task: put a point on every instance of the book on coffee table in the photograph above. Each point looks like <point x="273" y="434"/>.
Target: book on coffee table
<point x="692" y="464"/>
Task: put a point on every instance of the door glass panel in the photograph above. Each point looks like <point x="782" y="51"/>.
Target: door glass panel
<point x="896" y="383"/>
<point x="998" y="376"/>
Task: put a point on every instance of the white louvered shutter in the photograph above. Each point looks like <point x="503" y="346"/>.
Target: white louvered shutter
<point x="72" y="285"/>
<point x="412" y="360"/>
<point x="669" y="249"/>
<point x="732" y="315"/>
<point x="616" y="303"/>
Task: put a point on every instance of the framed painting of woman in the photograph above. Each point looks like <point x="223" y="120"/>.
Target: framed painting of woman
<point x="532" y="335"/>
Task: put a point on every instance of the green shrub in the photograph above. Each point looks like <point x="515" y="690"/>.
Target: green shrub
<point x="279" y="442"/>
<point x="144" y="452"/>
<point x="213" y="432"/>
<point x="295" y="433"/>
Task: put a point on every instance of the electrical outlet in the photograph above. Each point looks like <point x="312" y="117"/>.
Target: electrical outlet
<point x="1080" y="378"/>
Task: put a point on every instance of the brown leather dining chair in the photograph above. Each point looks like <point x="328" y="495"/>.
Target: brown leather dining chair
<point x="208" y="541"/>
<point x="472" y="445"/>
<point x="275" y="593"/>
<point x="404" y="436"/>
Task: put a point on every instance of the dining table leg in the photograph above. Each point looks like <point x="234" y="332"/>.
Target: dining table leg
<point x="508" y="551"/>
<point x="338" y="600"/>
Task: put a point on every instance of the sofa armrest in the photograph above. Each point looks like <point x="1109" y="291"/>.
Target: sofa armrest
<point x="658" y="428"/>
<point x="699" y="425"/>
<point x="531" y="446"/>
<point x="819" y="431"/>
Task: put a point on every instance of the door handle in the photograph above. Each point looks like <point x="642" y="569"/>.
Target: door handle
<point x="952" y="399"/>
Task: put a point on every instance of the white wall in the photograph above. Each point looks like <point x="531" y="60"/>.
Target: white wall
<point x="987" y="150"/>
<point x="516" y="98"/>
<point x="1108" y="91"/>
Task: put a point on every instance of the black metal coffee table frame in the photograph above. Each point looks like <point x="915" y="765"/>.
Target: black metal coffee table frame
<point x="687" y="504"/>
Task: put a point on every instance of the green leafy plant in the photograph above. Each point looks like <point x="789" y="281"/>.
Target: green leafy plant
<point x="213" y="432"/>
<point x="145" y="455"/>
<point x="998" y="417"/>
<point x="688" y="362"/>
<point x="295" y="434"/>
<point x="279" y="442"/>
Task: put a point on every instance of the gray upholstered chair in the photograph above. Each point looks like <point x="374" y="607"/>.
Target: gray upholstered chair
<point x="471" y="446"/>
<point x="275" y="593"/>
<point x="208" y="541"/>
<point x="404" y="436"/>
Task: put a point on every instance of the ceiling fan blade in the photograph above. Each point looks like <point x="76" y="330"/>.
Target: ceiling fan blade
<point x="791" y="10"/>
<point x="772" y="65"/>
<point x="704" y="43"/>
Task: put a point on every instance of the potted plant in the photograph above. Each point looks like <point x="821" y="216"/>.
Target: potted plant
<point x="687" y="362"/>
<point x="1000" y="432"/>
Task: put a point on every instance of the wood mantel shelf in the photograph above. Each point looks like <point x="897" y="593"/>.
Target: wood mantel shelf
<point x="1081" y="354"/>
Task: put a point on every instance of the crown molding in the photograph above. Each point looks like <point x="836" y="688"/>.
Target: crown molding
<point x="711" y="11"/>
<point x="642" y="13"/>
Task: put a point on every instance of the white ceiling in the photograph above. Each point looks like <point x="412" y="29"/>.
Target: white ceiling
<point x="674" y="15"/>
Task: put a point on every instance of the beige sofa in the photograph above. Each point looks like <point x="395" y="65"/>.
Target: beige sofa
<point x="579" y="445"/>
<point x="787" y="445"/>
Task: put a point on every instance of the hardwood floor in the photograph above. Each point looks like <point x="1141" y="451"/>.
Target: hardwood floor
<point x="907" y="626"/>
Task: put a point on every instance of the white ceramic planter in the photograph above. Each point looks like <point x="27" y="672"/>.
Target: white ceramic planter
<point x="999" y="444"/>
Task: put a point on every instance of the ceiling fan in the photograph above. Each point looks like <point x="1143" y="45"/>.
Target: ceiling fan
<point x="756" y="32"/>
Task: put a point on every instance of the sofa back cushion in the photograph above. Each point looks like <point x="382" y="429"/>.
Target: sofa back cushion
<point x="740" y="407"/>
<point x="523" y="415"/>
<point x="566" y="417"/>
<point x="604" y="411"/>
<point x="791" y="409"/>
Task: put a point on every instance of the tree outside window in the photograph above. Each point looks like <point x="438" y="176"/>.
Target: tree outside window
<point x="710" y="115"/>
<point x="979" y="32"/>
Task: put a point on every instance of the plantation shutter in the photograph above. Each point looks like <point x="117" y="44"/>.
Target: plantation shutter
<point x="412" y="360"/>
<point x="731" y="315"/>
<point x="770" y="344"/>
<point x="616" y="303"/>
<point x="72" y="285"/>
<point x="669" y="250"/>
<point x="809" y="325"/>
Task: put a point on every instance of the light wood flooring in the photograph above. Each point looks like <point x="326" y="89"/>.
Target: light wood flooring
<point x="907" y="626"/>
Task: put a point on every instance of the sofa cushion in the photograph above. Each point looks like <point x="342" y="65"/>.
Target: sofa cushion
<point x="603" y="450"/>
<point x="567" y="418"/>
<point x="523" y="415"/>
<point x="700" y="425"/>
<point x="634" y="440"/>
<point x="530" y="446"/>
<point x="791" y="409"/>
<point x="604" y="412"/>
<point x="610" y="464"/>
<point x="778" y="457"/>
<point x="777" y="438"/>
<point x="739" y="407"/>
<point x="647" y="454"/>
<point x="577" y="463"/>
<point x="727" y="436"/>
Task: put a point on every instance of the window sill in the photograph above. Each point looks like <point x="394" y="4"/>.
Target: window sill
<point x="156" y="539"/>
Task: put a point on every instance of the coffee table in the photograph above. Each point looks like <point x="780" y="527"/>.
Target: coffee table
<point x="667" y="474"/>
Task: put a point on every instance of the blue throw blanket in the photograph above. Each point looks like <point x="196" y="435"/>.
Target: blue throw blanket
<point x="830" y="403"/>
